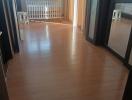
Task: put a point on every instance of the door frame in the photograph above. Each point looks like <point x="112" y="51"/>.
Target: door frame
<point x="128" y="52"/>
<point x="102" y="20"/>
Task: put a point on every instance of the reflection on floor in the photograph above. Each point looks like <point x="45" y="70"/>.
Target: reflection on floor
<point x="56" y="63"/>
<point x="119" y="36"/>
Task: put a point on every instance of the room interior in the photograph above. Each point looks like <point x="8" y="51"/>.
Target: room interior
<point x="65" y="49"/>
<point x="64" y="14"/>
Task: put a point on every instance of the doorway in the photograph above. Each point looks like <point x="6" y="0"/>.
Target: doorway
<point x="120" y="35"/>
<point x="44" y="10"/>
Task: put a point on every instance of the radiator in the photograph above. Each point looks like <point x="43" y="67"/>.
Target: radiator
<point x="45" y="9"/>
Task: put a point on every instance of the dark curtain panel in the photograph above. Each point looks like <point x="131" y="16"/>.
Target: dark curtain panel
<point x="14" y="20"/>
<point x="10" y="24"/>
<point x="98" y="36"/>
<point x="104" y="7"/>
<point x="6" y="48"/>
<point x="19" y="7"/>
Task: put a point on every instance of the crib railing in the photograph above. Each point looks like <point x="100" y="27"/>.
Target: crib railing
<point x="45" y="9"/>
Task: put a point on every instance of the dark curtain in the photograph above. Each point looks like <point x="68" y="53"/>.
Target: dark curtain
<point x="19" y="7"/>
<point x="14" y="25"/>
<point x="5" y="43"/>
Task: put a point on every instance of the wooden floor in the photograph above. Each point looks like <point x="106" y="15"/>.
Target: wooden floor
<point x="57" y="63"/>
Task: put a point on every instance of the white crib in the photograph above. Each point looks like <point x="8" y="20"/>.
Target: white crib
<point x="45" y="9"/>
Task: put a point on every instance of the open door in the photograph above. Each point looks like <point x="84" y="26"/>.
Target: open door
<point x="120" y="30"/>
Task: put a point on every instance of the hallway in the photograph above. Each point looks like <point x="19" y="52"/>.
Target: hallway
<point x="57" y="63"/>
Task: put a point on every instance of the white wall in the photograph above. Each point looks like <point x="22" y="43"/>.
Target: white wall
<point x="71" y="10"/>
<point x="125" y="7"/>
<point x="81" y="13"/>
